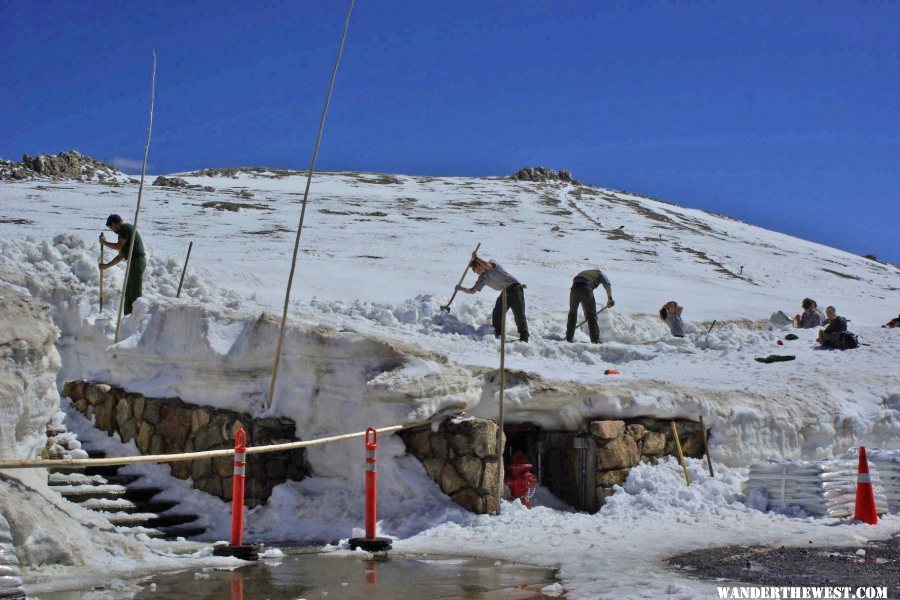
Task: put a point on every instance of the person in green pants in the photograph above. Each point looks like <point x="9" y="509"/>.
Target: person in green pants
<point x="582" y="294"/>
<point x="135" y="281"/>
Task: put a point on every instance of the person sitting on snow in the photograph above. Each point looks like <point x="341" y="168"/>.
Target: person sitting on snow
<point x="811" y="317"/>
<point x="836" y="325"/>
<point x="671" y="314"/>
<point x="494" y="276"/>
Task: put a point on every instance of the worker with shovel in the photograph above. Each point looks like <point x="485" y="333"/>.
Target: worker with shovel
<point x="582" y="294"/>
<point x="125" y="231"/>
<point x="494" y="276"/>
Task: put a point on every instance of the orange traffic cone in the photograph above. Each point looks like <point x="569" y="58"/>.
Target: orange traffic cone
<point x="865" y="495"/>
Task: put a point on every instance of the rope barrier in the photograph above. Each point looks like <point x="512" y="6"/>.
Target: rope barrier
<point x="137" y="211"/>
<point x="312" y="167"/>
<point x="164" y="458"/>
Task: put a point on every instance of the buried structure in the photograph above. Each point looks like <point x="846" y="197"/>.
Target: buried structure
<point x="580" y="466"/>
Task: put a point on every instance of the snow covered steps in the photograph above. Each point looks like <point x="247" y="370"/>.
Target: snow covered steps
<point x="124" y="501"/>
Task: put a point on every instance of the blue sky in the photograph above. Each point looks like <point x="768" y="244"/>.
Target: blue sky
<point x="781" y="114"/>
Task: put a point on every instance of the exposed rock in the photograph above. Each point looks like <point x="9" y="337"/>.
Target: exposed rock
<point x="65" y="165"/>
<point x="540" y="174"/>
<point x="620" y="453"/>
<point x="636" y="431"/>
<point x="654" y="443"/>
<point x="608" y="478"/>
<point x="607" y="430"/>
<point x="451" y="482"/>
<point x="468" y="499"/>
<point x="173" y="182"/>
<point x="470" y="468"/>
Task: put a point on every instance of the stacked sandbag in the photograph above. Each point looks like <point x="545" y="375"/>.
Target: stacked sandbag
<point x="887" y="462"/>
<point x="10" y="577"/>
<point x="821" y="488"/>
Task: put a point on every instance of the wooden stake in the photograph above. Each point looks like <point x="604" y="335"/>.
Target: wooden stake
<point x="101" y="278"/>
<point x="711" y="326"/>
<point x="502" y="392"/>
<point x="706" y="448"/>
<point x="137" y="210"/>
<point x="312" y="168"/>
<point x="680" y="453"/>
<point x="184" y="270"/>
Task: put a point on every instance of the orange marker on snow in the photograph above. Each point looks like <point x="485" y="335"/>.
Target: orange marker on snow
<point x="611" y="372"/>
<point x="865" y="495"/>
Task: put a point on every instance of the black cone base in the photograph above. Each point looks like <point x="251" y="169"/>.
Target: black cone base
<point x="371" y="544"/>
<point x="245" y="552"/>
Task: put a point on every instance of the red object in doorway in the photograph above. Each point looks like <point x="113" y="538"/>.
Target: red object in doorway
<point x="520" y="480"/>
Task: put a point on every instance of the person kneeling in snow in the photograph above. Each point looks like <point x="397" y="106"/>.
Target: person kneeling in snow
<point x="494" y="276"/>
<point x="811" y="317"/>
<point x="125" y="231"/>
<point x="671" y="314"/>
<point x="582" y="294"/>
<point x="832" y="336"/>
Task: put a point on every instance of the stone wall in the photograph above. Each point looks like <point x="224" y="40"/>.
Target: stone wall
<point x="579" y="467"/>
<point x="621" y="445"/>
<point x="461" y="457"/>
<point x="169" y="426"/>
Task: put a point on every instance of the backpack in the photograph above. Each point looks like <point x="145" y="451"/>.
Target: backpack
<point x="846" y="341"/>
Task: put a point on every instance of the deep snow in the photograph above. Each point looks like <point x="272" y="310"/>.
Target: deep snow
<point x="368" y="345"/>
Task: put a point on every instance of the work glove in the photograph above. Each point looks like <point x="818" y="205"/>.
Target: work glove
<point x="611" y="303"/>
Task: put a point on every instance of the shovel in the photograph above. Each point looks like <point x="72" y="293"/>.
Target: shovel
<point x="461" y="279"/>
<point x="596" y="314"/>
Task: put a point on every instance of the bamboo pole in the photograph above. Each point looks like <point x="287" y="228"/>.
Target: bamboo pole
<point x="137" y="210"/>
<point x="502" y="393"/>
<point x="680" y="454"/>
<point x="184" y="270"/>
<point x="461" y="279"/>
<point x="101" y="278"/>
<point x="312" y="167"/>
<point x="706" y="448"/>
<point x="166" y="458"/>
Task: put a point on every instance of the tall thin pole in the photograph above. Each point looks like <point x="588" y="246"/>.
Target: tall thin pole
<point x="502" y="392"/>
<point x="137" y="210"/>
<point x="101" y="278"/>
<point x="312" y="167"/>
<point x="184" y="270"/>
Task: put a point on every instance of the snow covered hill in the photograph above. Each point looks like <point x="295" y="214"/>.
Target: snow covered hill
<point x="380" y="254"/>
<point x="368" y="344"/>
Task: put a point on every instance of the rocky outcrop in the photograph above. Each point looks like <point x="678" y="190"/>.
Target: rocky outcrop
<point x="541" y="174"/>
<point x="174" y="182"/>
<point x="462" y="458"/>
<point x="170" y="426"/>
<point x="65" y="165"/>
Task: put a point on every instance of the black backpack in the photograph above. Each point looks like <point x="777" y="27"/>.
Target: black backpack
<point x="846" y="341"/>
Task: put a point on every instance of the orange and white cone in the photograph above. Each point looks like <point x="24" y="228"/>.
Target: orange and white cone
<point x="865" y="495"/>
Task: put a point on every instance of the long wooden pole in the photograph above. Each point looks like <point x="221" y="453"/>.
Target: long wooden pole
<point x="502" y="393"/>
<point x="706" y="447"/>
<point x="137" y="210"/>
<point x="101" y="278"/>
<point x="184" y="270"/>
<point x="680" y="453"/>
<point x="461" y="279"/>
<point x="312" y="167"/>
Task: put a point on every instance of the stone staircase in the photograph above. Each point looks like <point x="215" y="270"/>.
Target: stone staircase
<point x="126" y="501"/>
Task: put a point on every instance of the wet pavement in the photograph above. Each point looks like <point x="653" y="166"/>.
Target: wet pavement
<point x="315" y="576"/>
<point x="875" y="564"/>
